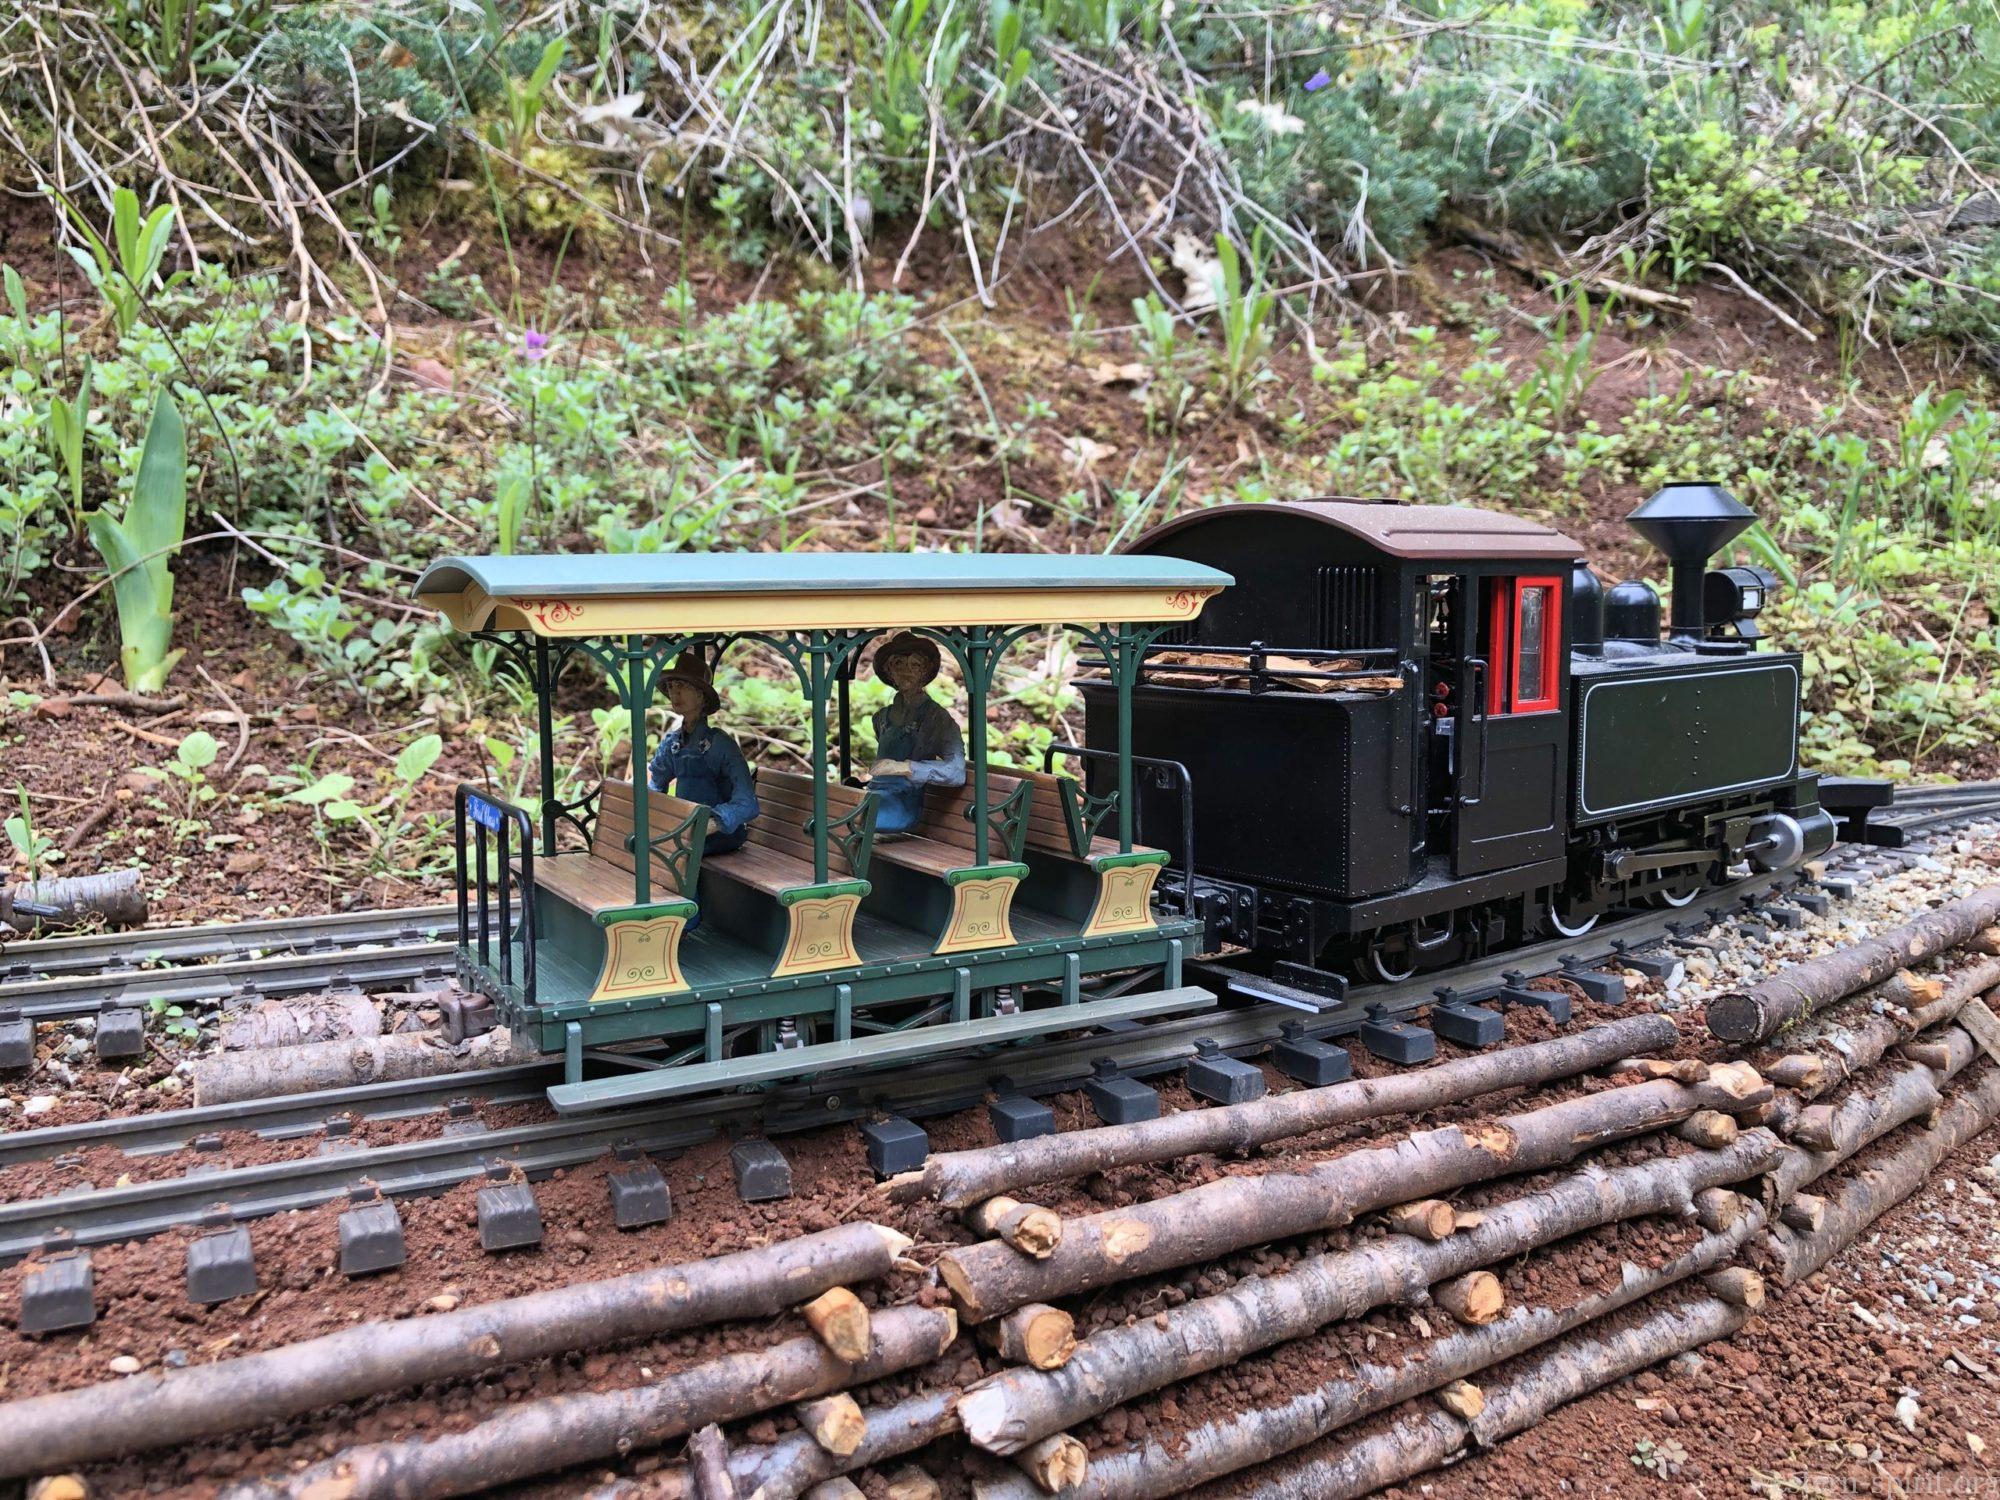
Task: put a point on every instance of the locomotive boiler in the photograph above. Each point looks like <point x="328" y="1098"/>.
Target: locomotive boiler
<point x="1412" y="735"/>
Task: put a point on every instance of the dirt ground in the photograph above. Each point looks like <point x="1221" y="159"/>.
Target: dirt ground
<point x="1805" y="1398"/>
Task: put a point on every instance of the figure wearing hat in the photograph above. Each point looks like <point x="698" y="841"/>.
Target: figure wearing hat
<point x="701" y="763"/>
<point x="917" y="743"/>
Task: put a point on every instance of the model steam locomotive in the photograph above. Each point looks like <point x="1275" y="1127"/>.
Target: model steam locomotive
<point x="1411" y="735"/>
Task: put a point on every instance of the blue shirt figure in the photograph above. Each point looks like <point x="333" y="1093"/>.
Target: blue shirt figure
<point x="917" y="743"/>
<point x="702" y="764"/>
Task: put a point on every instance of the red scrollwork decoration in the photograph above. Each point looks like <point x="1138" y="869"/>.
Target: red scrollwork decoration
<point x="549" y="613"/>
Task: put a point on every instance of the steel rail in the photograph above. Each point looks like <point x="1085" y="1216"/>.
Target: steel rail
<point x="284" y="1117"/>
<point x="279" y="974"/>
<point x="90" y="952"/>
<point x="103" y="1216"/>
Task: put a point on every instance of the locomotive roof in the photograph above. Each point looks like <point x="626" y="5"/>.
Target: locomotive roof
<point x="1456" y="532"/>
<point x="564" y="594"/>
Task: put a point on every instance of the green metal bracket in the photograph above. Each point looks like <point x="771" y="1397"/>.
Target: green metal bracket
<point x="853" y="834"/>
<point x="1009" y="821"/>
<point x="611" y="915"/>
<point x="984" y="872"/>
<point x="1083" y="813"/>
<point x="679" y="848"/>
<point x="1128" y="859"/>
<point x="800" y="893"/>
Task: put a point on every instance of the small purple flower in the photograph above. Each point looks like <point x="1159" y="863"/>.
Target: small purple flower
<point x="534" y="345"/>
<point x="1318" y="81"/>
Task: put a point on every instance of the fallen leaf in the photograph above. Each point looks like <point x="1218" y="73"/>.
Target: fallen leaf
<point x="1083" y="451"/>
<point x="1110" y="374"/>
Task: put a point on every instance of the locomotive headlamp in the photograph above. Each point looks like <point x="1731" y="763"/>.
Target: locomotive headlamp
<point x="1736" y="596"/>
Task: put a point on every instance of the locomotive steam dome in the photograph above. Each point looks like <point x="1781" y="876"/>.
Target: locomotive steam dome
<point x="1632" y="613"/>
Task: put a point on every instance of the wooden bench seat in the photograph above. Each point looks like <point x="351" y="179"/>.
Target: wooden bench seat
<point x="1122" y="898"/>
<point x="968" y="903"/>
<point x="766" y="889"/>
<point x="637" y="944"/>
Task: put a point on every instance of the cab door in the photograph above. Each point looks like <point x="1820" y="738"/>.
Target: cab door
<point x="1508" y="766"/>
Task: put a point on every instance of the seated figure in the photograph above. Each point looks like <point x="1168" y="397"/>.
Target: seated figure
<point x="700" y="762"/>
<point x="917" y="743"/>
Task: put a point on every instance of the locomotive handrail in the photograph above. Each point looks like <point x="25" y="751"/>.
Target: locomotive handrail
<point x="489" y="814"/>
<point x="1475" y="713"/>
<point x="1166" y="768"/>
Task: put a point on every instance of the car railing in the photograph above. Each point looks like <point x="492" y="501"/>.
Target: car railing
<point x="480" y="890"/>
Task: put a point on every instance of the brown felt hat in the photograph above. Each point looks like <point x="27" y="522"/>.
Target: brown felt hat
<point x="691" y="668"/>
<point x="908" y="643"/>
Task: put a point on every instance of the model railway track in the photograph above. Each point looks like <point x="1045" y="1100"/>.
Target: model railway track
<point x="70" y="996"/>
<point x="96" y="1216"/>
<point x="92" y="953"/>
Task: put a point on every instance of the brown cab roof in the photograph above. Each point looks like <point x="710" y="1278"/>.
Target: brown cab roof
<point x="1459" y="532"/>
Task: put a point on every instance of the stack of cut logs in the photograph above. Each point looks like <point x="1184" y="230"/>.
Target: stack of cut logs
<point x="1726" y="1152"/>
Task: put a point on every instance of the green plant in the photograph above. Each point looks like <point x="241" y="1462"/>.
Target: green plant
<point x="68" y="422"/>
<point x="385" y="825"/>
<point x="523" y="97"/>
<point x="1566" y="369"/>
<point x="1243" y="311"/>
<point x="33" y="849"/>
<point x="138" y="551"/>
<point x="125" y="270"/>
<point x="1662" y="1459"/>
<point x="188" y="770"/>
<point x="174" y="1019"/>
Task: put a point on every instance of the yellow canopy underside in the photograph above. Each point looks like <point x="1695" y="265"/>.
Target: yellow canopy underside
<point x="471" y="608"/>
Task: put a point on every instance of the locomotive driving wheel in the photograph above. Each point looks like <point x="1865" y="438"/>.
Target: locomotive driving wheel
<point x="1563" y="922"/>
<point x="1391" y="964"/>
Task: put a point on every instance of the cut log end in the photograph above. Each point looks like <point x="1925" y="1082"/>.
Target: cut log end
<point x="1055" y="1463"/>
<point x="1738" y="1080"/>
<point x="1475" y="1298"/>
<point x="841" y="1320"/>
<point x="1805" y="1071"/>
<point x="912" y="1483"/>
<point x="1717" y="1209"/>
<point x="1029" y="1228"/>
<point x="1739" y="1286"/>
<point x="1806" y="1213"/>
<point x="1428" y="1219"/>
<point x="1710" y="1129"/>
<point x="1038" y="1335"/>
<point x="835" y="1422"/>
<point x="1680" y="1069"/>
<point x="1735" y="1017"/>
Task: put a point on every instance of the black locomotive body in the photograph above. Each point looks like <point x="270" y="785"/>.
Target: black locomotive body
<point x="1406" y="740"/>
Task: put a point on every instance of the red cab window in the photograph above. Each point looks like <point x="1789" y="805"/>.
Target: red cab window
<point x="1526" y="645"/>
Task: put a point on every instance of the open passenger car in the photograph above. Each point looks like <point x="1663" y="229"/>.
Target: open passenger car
<point x="1020" y="906"/>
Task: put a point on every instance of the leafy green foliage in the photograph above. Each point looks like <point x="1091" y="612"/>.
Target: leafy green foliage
<point x="124" y="270"/>
<point x="138" y="551"/>
<point x="31" y="847"/>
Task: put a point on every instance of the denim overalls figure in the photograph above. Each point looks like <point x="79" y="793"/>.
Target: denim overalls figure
<point x="917" y="743"/>
<point x="701" y="763"/>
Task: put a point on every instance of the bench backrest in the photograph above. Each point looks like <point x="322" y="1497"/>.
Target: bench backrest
<point x="947" y="817"/>
<point x="609" y="835"/>
<point x="1048" y="829"/>
<point x="786" y="800"/>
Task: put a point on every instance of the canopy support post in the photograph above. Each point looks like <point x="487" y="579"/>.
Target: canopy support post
<point x="819" y="665"/>
<point x="545" y="728"/>
<point x="639" y="684"/>
<point x="978" y="651"/>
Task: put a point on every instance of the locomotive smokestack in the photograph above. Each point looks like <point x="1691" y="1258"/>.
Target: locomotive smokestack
<point x="1690" y="523"/>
